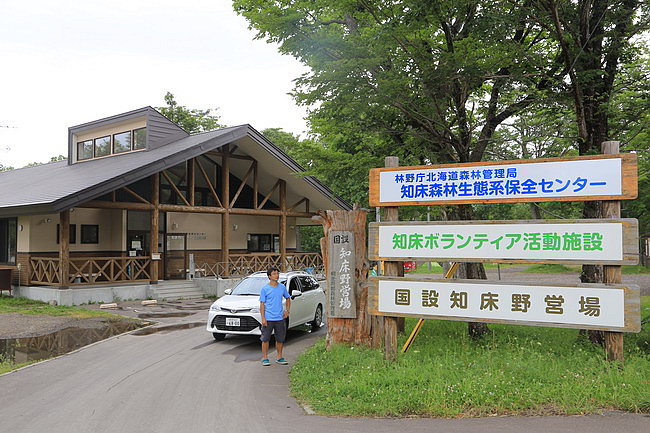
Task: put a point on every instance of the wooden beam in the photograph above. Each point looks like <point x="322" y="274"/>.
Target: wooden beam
<point x="245" y="157"/>
<point x="283" y="225"/>
<point x="307" y="206"/>
<point x="277" y="184"/>
<point x="296" y="204"/>
<point x="191" y="179"/>
<point x="256" y="188"/>
<point x="98" y="204"/>
<point x="241" y="186"/>
<point x="153" y="228"/>
<point x="164" y="173"/>
<point x="64" y="248"/>
<point x="207" y="180"/>
<point x="190" y="209"/>
<point x="135" y="195"/>
<point x="225" y="218"/>
<point x="113" y="196"/>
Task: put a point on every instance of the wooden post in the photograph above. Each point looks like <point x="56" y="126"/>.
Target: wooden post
<point x="153" y="226"/>
<point x="612" y="274"/>
<point x="64" y="248"/>
<point x="391" y="269"/>
<point x="256" y="189"/>
<point x="283" y="225"/>
<point x="225" y="218"/>
<point x="191" y="180"/>
<point x="339" y="329"/>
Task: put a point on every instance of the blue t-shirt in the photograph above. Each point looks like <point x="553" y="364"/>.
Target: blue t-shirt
<point x="272" y="298"/>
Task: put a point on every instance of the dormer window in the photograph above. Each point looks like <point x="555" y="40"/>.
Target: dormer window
<point x="121" y="142"/>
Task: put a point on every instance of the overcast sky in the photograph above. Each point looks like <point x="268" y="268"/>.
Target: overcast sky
<point x="69" y="62"/>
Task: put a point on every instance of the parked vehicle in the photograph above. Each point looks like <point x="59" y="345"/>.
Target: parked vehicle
<point x="238" y="312"/>
<point x="410" y="266"/>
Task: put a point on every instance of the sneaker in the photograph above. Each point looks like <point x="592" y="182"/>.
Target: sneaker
<point x="282" y="361"/>
<point x="266" y="362"/>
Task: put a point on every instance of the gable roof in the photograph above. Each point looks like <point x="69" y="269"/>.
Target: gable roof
<point x="54" y="187"/>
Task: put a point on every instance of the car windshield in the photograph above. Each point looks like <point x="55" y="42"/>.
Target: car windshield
<point x="251" y="286"/>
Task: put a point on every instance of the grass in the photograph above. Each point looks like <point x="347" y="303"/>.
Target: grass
<point x="521" y="370"/>
<point x="559" y="269"/>
<point x="10" y="304"/>
<point x="437" y="269"/>
<point x="7" y="366"/>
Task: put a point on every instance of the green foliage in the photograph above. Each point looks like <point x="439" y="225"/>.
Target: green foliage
<point x="5" y="168"/>
<point x="513" y="370"/>
<point x="550" y="269"/>
<point x="191" y="120"/>
<point x="310" y="238"/>
<point x="52" y="159"/>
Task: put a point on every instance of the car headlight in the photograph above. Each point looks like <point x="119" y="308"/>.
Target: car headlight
<point x="255" y="310"/>
<point x="214" y="307"/>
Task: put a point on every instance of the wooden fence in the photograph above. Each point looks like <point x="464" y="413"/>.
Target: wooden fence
<point x="246" y="264"/>
<point x="89" y="270"/>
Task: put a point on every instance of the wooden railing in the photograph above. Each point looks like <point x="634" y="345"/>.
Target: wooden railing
<point x="246" y="264"/>
<point x="90" y="270"/>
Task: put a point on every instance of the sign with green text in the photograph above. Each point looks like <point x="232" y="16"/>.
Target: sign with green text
<point x="591" y="241"/>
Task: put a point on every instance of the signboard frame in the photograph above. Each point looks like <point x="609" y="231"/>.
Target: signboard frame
<point x="630" y="246"/>
<point x="341" y="276"/>
<point x="629" y="184"/>
<point x="632" y="317"/>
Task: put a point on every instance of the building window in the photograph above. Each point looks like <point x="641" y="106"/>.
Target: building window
<point x="85" y="149"/>
<point x="102" y="146"/>
<point x="73" y="234"/>
<point x="262" y="243"/>
<point x="8" y="236"/>
<point x="89" y="234"/>
<point x="122" y="142"/>
<point x="139" y="138"/>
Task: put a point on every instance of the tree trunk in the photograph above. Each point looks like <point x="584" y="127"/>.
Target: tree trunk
<point x="342" y="330"/>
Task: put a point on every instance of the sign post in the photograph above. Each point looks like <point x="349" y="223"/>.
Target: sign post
<point x="391" y="268"/>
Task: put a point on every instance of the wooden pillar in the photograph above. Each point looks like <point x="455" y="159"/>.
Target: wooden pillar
<point x="190" y="180"/>
<point x="612" y="274"/>
<point x="283" y="225"/>
<point x="391" y="269"/>
<point x="64" y="248"/>
<point x="256" y="188"/>
<point x="225" y="217"/>
<point x="153" y="226"/>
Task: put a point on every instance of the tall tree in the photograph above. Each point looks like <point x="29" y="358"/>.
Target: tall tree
<point x="191" y="120"/>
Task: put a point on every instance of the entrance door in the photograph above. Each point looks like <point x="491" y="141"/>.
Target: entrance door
<point x="175" y="256"/>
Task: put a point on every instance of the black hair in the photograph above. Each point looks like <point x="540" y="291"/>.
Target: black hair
<point x="268" y="273"/>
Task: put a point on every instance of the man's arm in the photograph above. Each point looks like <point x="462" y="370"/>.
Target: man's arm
<point x="262" y="313"/>
<point x="287" y="308"/>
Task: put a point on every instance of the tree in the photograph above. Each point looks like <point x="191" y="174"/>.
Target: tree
<point x="191" y="120"/>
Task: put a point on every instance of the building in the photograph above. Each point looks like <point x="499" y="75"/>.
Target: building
<point x="139" y="196"/>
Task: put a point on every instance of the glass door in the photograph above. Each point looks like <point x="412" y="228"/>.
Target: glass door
<point x="176" y="256"/>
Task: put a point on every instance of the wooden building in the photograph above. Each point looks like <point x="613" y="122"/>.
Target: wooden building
<point x="138" y="195"/>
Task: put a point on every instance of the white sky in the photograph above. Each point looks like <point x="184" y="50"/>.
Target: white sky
<point x="69" y="62"/>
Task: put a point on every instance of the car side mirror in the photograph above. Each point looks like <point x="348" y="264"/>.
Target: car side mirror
<point x="227" y="291"/>
<point x="295" y="293"/>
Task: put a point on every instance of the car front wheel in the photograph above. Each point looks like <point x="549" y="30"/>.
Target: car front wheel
<point x="318" y="318"/>
<point x="219" y="336"/>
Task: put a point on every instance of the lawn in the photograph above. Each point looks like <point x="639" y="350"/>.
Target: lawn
<point x="521" y="370"/>
<point x="10" y="304"/>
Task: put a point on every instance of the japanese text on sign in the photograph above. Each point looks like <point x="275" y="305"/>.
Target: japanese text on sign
<point x="342" y="301"/>
<point x="580" y="240"/>
<point x="572" y="178"/>
<point x="598" y="307"/>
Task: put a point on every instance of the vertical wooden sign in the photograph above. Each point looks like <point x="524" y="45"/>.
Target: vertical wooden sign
<point x="341" y="276"/>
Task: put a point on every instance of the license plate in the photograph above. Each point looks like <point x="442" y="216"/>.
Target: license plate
<point x="232" y="321"/>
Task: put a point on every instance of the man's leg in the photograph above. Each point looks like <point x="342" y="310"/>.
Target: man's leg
<point x="278" y="348"/>
<point x="265" y="349"/>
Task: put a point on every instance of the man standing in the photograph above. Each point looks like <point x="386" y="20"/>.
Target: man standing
<point x="273" y="315"/>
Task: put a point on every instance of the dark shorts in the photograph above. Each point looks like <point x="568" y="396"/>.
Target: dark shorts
<point x="278" y="326"/>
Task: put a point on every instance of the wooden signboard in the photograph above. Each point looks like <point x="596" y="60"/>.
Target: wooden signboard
<point x="341" y="278"/>
<point x="591" y="241"/>
<point x="583" y="178"/>
<point x="583" y="306"/>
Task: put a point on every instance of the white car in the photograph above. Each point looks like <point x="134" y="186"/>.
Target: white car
<point x="238" y="312"/>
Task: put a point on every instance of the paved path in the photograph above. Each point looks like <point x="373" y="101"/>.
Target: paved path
<point x="183" y="381"/>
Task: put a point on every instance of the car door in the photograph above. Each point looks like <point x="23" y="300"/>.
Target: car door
<point x="297" y="306"/>
<point x="310" y="297"/>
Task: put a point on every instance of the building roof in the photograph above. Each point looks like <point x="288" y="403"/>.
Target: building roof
<point x="57" y="186"/>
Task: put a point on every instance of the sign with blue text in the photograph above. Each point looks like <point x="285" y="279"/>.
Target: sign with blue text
<point x="598" y="177"/>
<point x="591" y="241"/>
<point x="584" y="306"/>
